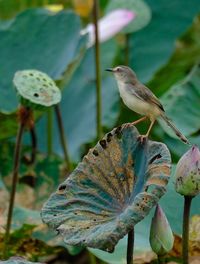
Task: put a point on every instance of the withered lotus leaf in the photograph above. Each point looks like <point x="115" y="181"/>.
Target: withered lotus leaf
<point x="112" y="189"/>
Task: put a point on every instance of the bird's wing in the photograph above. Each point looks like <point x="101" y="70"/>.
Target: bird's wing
<point x="145" y="94"/>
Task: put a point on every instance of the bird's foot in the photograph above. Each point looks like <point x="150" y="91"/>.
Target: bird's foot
<point x="142" y="138"/>
<point x="126" y="125"/>
<point x="138" y="121"/>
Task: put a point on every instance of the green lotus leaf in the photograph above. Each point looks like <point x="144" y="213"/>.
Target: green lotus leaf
<point x="182" y="100"/>
<point x="152" y="46"/>
<point x="37" y="39"/>
<point x="37" y="87"/>
<point x="111" y="190"/>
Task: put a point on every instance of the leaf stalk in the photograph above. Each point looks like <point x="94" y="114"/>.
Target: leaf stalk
<point x="98" y="71"/>
<point x="185" y="230"/>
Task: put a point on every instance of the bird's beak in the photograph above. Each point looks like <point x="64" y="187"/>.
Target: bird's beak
<point x="110" y="70"/>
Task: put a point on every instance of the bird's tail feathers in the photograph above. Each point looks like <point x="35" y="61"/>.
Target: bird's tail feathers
<point x="177" y="132"/>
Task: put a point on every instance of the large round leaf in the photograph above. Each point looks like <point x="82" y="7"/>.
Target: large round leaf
<point x="151" y="47"/>
<point x="111" y="190"/>
<point x="181" y="102"/>
<point x="186" y="54"/>
<point x="36" y="39"/>
<point x="140" y="9"/>
<point x="10" y="8"/>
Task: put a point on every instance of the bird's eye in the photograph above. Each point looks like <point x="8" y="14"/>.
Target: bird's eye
<point x="118" y="69"/>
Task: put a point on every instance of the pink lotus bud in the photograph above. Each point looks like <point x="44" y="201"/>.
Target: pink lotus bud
<point x="161" y="236"/>
<point x="109" y="25"/>
<point x="188" y="173"/>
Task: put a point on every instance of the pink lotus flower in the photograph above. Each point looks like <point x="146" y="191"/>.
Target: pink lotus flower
<point x="109" y="25"/>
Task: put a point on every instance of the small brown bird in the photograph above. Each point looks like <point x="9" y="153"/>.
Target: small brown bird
<point x="140" y="99"/>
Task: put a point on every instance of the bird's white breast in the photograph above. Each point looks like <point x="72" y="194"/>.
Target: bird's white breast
<point x="135" y="104"/>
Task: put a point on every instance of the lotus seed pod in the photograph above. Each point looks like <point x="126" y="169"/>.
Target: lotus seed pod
<point x="187" y="173"/>
<point x="35" y="87"/>
<point x="161" y="236"/>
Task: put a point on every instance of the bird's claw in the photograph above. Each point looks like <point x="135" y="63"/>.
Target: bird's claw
<point x="142" y="138"/>
<point x="127" y="125"/>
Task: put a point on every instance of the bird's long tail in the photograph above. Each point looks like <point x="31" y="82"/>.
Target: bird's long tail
<point x="177" y="132"/>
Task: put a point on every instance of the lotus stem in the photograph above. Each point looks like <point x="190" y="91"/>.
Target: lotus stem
<point x="62" y="137"/>
<point x="127" y="49"/>
<point x="14" y="185"/>
<point x="185" y="230"/>
<point x="98" y="71"/>
<point x="159" y="260"/>
<point x="130" y="246"/>
<point x="49" y="131"/>
<point x="34" y="144"/>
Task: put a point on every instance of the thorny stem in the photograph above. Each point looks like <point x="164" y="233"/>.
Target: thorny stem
<point x="14" y="184"/>
<point x="62" y="137"/>
<point x="130" y="247"/>
<point x="49" y="131"/>
<point x="185" y="230"/>
<point x="98" y="71"/>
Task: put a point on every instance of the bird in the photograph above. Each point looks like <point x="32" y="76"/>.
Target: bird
<point x="140" y="99"/>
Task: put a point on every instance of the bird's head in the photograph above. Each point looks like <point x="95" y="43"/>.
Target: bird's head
<point x="123" y="73"/>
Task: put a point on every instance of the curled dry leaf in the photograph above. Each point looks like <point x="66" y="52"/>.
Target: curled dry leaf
<point x="112" y="189"/>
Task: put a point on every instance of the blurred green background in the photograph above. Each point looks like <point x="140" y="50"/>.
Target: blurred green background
<point x="162" y="45"/>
